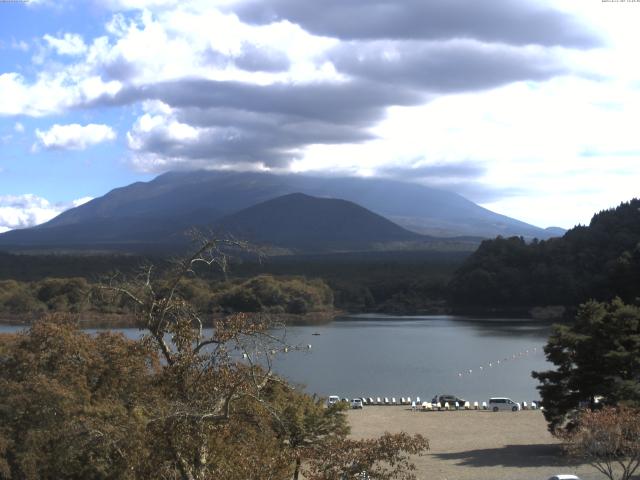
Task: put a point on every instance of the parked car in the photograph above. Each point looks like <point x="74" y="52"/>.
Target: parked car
<point x="564" y="477"/>
<point x="356" y="403"/>
<point x="450" y="399"/>
<point x="333" y="399"/>
<point x="502" y="403"/>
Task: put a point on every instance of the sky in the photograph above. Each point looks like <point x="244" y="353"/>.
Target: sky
<point x="527" y="108"/>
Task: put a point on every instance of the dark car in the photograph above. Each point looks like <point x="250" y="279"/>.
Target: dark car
<point x="450" y="399"/>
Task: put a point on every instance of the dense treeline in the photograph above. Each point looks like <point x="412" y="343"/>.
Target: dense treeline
<point x="389" y="282"/>
<point x="29" y="267"/>
<point x="599" y="261"/>
<point x="395" y="282"/>
<point x="268" y="294"/>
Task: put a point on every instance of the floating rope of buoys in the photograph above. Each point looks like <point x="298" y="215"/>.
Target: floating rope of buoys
<point x="512" y="357"/>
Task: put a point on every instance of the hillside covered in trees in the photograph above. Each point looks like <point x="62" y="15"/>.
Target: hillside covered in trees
<point x="599" y="261"/>
<point x="27" y="301"/>
<point x="390" y="282"/>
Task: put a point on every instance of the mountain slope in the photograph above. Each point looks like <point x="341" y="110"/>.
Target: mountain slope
<point x="314" y="224"/>
<point x="416" y="207"/>
<point x="155" y="214"/>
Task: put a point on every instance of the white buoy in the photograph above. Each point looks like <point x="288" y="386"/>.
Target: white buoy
<point x="309" y="346"/>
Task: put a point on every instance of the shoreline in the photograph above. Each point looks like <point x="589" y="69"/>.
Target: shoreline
<point x="128" y="320"/>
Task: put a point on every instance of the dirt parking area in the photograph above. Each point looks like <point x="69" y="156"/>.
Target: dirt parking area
<point x="474" y="445"/>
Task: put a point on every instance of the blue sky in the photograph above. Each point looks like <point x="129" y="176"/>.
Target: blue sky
<point x="528" y="108"/>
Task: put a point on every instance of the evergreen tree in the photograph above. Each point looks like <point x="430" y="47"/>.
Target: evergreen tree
<point x="597" y="356"/>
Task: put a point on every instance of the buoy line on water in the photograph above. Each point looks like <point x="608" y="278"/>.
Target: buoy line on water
<point x="496" y="363"/>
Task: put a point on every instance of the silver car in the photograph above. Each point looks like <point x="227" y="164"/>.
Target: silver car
<point x="502" y="403"/>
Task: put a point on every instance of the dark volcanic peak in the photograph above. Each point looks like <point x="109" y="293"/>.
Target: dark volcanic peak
<point x="416" y="207"/>
<point x="159" y="212"/>
<point x="304" y="222"/>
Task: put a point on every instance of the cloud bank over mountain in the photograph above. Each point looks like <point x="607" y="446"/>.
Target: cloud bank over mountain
<point x="29" y="210"/>
<point x="413" y="89"/>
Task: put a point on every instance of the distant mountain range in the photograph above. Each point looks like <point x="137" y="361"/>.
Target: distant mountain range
<point x="295" y="212"/>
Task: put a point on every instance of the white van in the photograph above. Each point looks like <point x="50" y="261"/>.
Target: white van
<point x="502" y="403"/>
<point x="333" y="399"/>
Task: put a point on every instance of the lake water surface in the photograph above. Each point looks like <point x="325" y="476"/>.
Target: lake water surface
<point x="376" y="355"/>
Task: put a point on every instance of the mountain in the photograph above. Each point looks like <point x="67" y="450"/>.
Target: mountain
<point x="306" y="223"/>
<point x="555" y="231"/>
<point x="214" y="194"/>
<point x="153" y="215"/>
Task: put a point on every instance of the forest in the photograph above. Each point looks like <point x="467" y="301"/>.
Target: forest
<point x="392" y="282"/>
<point x="600" y="261"/>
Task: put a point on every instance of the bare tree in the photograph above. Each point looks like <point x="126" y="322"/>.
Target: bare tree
<point x="609" y="439"/>
<point x="211" y="372"/>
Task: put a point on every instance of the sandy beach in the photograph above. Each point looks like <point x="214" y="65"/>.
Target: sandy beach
<point x="474" y="445"/>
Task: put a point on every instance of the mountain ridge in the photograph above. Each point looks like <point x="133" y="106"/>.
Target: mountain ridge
<point x="300" y="221"/>
<point x="153" y="213"/>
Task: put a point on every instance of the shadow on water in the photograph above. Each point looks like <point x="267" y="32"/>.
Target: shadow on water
<point x="508" y="327"/>
<point x="492" y="327"/>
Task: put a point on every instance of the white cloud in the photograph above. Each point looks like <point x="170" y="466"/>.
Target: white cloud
<point x="51" y="92"/>
<point x="74" y="136"/>
<point x="18" y="127"/>
<point x="28" y="210"/>
<point x="19" y="45"/>
<point x="25" y="211"/>
<point x="81" y="201"/>
<point x="534" y="138"/>
<point x="69" y="44"/>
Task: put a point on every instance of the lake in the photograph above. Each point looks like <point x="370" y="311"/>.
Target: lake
<point x="381" y="355"/>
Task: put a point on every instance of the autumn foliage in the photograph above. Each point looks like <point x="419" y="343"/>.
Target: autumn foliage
<point x="192" y="399"/>
<point x="609" y="439"/>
